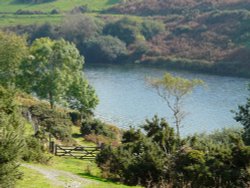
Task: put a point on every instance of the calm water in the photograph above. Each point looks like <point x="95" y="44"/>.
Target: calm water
<point x="126" y="100"/>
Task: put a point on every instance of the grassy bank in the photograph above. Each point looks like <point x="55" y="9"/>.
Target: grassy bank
<point x="31" y="176"/>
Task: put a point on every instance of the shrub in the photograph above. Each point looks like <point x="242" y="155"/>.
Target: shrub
<point x="149" y="29"/>
<point x="34" y="151"/>
<point x="55" y="122"/>
<point x="76" y="118"/>
<point x="55" y="11"/>
<point x="125" y="29"/>
<point x="140" y="162"/>
<point x="44" y="30"/>
<point x="97" y="127"/>
<point x="155" y="160"/>
<point x="78" y="28"/>
<point x="182" y="30"/>
<point x="108" y="48"/>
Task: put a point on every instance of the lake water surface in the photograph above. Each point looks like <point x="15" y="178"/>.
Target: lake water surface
<point x="126" y="100"/>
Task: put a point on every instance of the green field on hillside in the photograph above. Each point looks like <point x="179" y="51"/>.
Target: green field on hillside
<point x="9" y="6"/>
<point x="11" y="19"/>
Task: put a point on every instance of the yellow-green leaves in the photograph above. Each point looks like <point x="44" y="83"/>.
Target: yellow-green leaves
<point x="13" y="49"/>
<point x="176" y="86"/>
<point x="53" y="68"/>
<point x="173" y="91"/>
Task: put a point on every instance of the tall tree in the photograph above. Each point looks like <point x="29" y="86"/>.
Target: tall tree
<point x="81" y="96"/>
<point x="52" y="70"/>
<point x="173" y="90"/>
<point x="11" y="142"/>
<point x="78" y="27"/>
<point x="13" y="49"/>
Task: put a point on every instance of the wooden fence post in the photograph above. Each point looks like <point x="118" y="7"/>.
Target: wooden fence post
<point x="52" y="147"/>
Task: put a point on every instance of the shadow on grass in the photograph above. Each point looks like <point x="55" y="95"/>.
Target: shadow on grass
<point x="89" y="176"/>
<point x="77" y="135"/>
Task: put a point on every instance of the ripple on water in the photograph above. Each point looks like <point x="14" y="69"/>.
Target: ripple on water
<point x="126" y="100"/>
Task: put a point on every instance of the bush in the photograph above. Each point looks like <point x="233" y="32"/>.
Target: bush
<point x="149" y="29"/>
<point x="158" y="159"/>
<point x="141" y="162"/>
<point x="78" y="28"/>
<point x="97" y="127"/>
<point x="108" y="48"/>
<point x="44" y="30"/>
<point x="76" y="118"/>
<point x="34" y="151"/>
<point x="226" y="160"/>
<point x="55" y="11"/>
<point x="125" y="29"/>
<point x="52" y="121"/>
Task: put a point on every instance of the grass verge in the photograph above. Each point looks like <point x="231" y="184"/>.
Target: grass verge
<point x="33" y="179"/>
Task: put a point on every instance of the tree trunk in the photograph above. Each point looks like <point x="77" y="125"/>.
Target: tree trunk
<point x="51" y="101"/>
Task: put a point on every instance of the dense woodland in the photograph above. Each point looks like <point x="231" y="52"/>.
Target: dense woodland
<point x="38" y="89"/>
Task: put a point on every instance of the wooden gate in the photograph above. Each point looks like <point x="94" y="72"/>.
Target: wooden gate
<point x="78" y="152"/>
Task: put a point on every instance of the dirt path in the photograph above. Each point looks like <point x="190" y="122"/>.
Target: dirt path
<point x="61" y="178"/>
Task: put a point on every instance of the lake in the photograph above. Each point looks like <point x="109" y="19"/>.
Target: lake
<point x="126" y="100"/>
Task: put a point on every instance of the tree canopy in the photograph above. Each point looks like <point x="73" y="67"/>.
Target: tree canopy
<point x="11" y="139"/>
<point x="13" y="49"/>
<point x="243" y="116"/>
<point x="108" y="48"/>
<point x="173" y="91"/>
<point x="56" y="70"/>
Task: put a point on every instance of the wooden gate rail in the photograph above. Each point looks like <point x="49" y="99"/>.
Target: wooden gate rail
<point x="77" y="152"/>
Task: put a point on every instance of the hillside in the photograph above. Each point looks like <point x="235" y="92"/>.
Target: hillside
<point x="166" y="7"/>
<point x="207" y="35"/>
<point x="11" y="6"/>
<point x="218" y="38"/>
<point x="41" y="12"/>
